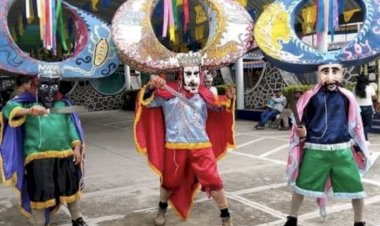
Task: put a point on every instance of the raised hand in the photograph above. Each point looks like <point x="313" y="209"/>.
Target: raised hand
<point x="37" y="110"/>
<point x="301" y="132"/>
<point x="157" y="82"/>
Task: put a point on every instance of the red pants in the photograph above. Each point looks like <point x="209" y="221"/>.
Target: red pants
<point x="182" y="165"/>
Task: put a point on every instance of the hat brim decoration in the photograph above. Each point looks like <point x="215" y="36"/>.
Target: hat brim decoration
<point x="94" y="56"/>
<point x="274" y="34"/>
<point x="229" y="38"/>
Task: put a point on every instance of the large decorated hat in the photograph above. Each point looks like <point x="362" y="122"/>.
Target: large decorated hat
<point x="94" y="55"/>
<point x="275" y="36"/>
<point x="229" y="38"/>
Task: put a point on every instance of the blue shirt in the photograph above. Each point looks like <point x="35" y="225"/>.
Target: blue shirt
<point x="326" y="118"/>
<point x="183" y="124"/>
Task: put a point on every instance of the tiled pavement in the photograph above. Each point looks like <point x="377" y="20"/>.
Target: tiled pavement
<point x="122" y="191"/>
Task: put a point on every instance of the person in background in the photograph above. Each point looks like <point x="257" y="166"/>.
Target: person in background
<point x="279" y="102"/>
<point x="208" y="80"/>
<point x="365" y="94"/>
<point x="288" y="114"/>
<point x="23" y="84"/>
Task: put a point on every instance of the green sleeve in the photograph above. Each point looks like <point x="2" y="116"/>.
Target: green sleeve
<point x="74" y="136"/>
<point x="10" y="110"/>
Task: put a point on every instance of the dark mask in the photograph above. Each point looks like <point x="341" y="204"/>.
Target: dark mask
<point x="47" y="90"/>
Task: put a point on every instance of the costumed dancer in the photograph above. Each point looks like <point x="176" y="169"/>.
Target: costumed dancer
<point x="48" y="147"/>
<point x="328" y="150"/>
<point x="184" y="128"/>
<point x="324" y="144"/>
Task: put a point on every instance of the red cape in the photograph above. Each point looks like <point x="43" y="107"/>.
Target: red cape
<point x="149" y="135"/>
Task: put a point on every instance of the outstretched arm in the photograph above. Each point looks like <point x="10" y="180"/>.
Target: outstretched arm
<point x="16" y="113"/>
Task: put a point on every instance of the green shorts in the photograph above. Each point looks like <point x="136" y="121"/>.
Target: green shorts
<point x="339" y="165"/>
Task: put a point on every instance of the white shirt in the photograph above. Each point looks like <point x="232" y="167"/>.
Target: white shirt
<point x="367" y="101"/>
<point x="279" y="103"/>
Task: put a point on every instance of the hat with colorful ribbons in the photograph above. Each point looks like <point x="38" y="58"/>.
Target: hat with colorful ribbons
<point x="230" y="35"/>
<point x="94" y="55"/>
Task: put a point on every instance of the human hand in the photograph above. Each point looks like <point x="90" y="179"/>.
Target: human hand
<point x="301" y="132"/>
<point x="37" y="110"/>
<point x="157" y="82"/>
<point x="230" y="91"/>
<point x="77" y="155"/>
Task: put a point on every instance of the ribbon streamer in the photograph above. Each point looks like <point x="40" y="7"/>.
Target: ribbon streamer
<point x="171" y="22"/>
<point x="166" y="18"/>
<point x="186" y="15"/>
<point x="175" y="13"/>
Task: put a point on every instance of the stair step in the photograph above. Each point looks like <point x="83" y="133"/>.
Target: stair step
<point x="375" y="129"/>
<point x="376" y="122"/>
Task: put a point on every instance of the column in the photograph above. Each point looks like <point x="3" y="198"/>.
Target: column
<point x="127" y="74"/>
<point x="239" y="70"/>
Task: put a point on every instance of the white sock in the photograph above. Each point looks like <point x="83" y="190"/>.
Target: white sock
<point x="38" y="216"/>
<point x="74" y="209"/>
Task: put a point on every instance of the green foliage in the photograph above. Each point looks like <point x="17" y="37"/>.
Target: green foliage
<point x="296" y="88"/>
<point x="222" y="88"/>
<point x="350" y="86"/>
<point x="290" y="90"/>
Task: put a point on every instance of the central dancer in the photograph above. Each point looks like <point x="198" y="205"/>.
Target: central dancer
<point x="184" y="128"/>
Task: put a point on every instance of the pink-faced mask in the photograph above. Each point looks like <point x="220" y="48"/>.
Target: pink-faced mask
<point x="330" y="75"/>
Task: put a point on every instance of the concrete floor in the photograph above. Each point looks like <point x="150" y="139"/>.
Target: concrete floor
<point x="122" y="191"/>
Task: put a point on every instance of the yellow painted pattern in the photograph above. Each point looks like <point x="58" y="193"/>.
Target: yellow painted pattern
<point x="272" y="29"/>
<point x="101" y="52"/>
<point x="200" y="14"/>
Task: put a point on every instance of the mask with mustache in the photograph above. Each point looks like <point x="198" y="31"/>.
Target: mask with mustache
<point x="191" y="78"/>
<point x="330" y="75"/>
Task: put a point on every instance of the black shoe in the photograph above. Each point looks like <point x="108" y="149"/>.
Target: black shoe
<point x="359" y="223"/>
<point x="259" y="127"/>
<point x="79" y="222"/>
<point x="292" y="221"/>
